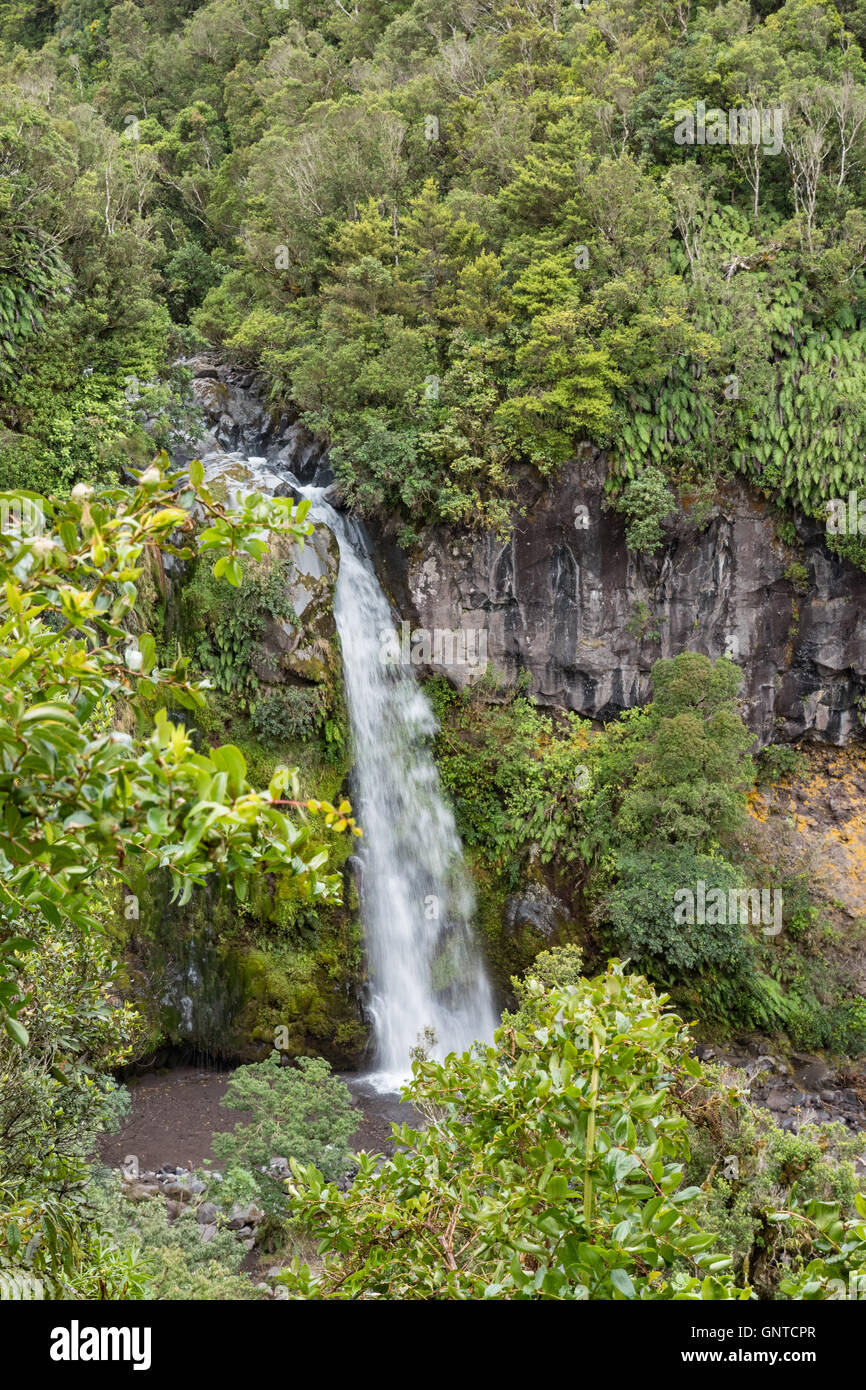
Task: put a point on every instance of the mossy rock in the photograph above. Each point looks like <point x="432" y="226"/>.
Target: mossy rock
<point x="306" y="649"/>
<point x="202" y="983"/>
<point x="300" y="1008"/>
<point x="513" y="928"/>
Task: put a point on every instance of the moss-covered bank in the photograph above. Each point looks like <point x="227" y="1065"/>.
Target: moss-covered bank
<point x="225" y="978"/>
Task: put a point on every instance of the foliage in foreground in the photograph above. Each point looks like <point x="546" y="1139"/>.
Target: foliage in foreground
<point x="551" y="1166"/>
<point x="172" y="1261"/>
<point x="84" y="804"/>
<point x="82" y="797"/>
<point x="56" y="1096"/>
<point x="772" y="1196"/>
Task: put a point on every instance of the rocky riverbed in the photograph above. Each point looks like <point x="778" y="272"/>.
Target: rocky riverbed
<point x="800" y="1089"/>
<point x="174" y="1114"/>
<point x="165" y="1144"/>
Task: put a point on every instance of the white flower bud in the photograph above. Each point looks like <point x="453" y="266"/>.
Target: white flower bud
<point x="81" y="492"/>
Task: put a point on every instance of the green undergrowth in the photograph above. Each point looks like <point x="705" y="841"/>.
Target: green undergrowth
<point x="616" y="822"/>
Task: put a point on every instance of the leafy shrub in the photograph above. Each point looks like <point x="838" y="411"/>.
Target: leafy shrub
<point x="556" y="969"/>
<point x="551" y="1167"/>
<point x="225" y="624"/>
<point x="803" y="450"/>
<point x="645" y="502"/>
<point x="640" y="916"/>
<point x="748" y="1168"/>
<point x="798" y="574"/>
<point x="517" y="781"/>
<point x="839" y="1027"/>
<point x="779" y="761"/>
<point x="290" y="712"/>
<point x="56" y="1095"/>
<point x="301" y="1112"/>
<point x="675" y="771"/>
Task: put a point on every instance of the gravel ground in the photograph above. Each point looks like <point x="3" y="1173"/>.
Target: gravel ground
<point x="175" y="1114"/>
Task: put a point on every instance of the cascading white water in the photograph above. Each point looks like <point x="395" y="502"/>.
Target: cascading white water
<point x="425" y="970"/>
<point x="416" y="896"/>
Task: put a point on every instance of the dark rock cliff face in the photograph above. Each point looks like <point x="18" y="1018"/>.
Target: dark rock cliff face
<point x="238" y="420"/>
<point x="565" y="600"/>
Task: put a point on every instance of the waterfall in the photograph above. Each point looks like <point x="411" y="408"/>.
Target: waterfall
<point x="425" y="970"/>
<point x="416" y="896"/>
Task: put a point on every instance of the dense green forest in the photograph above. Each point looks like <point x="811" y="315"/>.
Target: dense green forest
<point x="358" y="199"/>
<point x="464" y="244"/>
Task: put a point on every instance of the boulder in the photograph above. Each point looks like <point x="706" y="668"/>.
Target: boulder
<point x="537" y="911"/>
<point x="778" y="1101"/>
<point x="178" y="1191"/>
<point x="303" y="651"/>
<point x="244" y="1216"/>
<point x="234" y="408"/>
<point x="140" y="1192"/>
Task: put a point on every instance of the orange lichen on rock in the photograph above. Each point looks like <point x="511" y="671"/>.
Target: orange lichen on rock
<point x="824" y="812"/>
